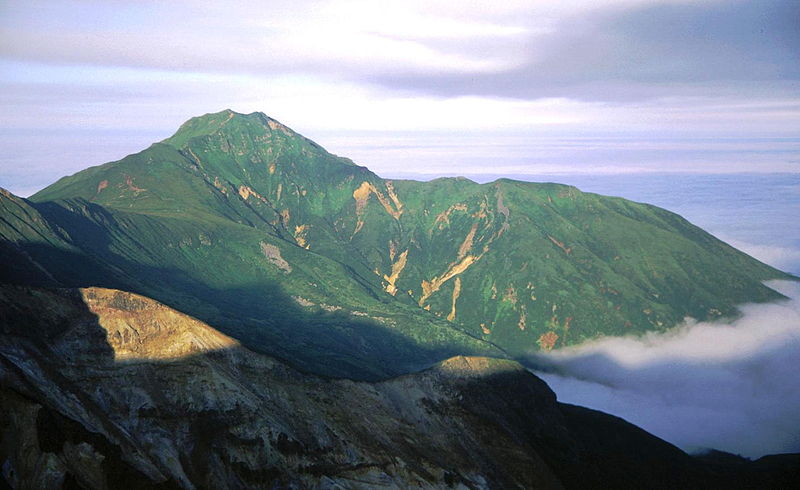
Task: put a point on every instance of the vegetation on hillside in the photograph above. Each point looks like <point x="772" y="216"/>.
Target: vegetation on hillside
<point x="238" y="220"/>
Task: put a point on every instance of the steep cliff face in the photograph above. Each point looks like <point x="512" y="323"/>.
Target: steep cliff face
<point x="104" y="389"/>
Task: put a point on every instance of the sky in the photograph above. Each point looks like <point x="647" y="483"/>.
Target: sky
<point x="411" y="88"/>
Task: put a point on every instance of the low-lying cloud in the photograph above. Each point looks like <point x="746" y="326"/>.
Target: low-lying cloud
<point x="729" y="386"/>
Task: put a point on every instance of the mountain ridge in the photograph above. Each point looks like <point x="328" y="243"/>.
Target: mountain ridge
<point x="249" y="226"/>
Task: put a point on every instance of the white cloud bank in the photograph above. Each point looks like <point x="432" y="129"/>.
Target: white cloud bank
<point x="729" y="386"/>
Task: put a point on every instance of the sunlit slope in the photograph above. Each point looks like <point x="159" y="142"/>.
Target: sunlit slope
<point x="241" y="218"/>
<point x="526" y="264"/>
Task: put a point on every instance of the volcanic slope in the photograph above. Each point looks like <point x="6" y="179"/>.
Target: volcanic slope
<point x="102" y="388"/>
<point x="242" y="222"/>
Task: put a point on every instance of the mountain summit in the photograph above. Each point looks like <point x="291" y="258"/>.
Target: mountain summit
<point x="240" y="221"/>
<point x="227" y="121"/>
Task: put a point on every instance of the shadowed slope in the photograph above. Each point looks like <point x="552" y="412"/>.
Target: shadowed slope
<point x="99" y="384"/>
<point x="240" y="278"/>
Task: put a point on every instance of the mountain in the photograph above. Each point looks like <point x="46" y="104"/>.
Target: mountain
<point x="103" y="388"/>
<point x="311" y="268"/>
<point x="303" y="255"/>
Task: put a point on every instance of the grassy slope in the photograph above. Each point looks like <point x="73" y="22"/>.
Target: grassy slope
<point x="553" y="259"/>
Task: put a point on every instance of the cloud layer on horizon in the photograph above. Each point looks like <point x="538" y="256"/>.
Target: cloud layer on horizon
<point x="728" y="386"/>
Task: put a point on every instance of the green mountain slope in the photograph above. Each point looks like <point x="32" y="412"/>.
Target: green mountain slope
<point x="273" y="295"/>
<point x="244" y="223"/>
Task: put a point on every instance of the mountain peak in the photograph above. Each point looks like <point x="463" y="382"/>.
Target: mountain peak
<point x="214" y="122"/>
<point x="223" y="152"/>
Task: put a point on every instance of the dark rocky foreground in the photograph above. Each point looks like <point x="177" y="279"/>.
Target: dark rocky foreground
<point x="107" y="389"/>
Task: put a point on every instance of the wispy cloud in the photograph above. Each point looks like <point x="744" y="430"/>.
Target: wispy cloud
<point x="714" y="68"/>
<point x="522" y="49"/>
<point x="617" y="63"/>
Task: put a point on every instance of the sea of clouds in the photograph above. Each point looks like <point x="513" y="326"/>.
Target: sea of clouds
<point x="732" y="386"/>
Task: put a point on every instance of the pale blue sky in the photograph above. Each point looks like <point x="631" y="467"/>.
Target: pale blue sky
<point x="419" y="87"/>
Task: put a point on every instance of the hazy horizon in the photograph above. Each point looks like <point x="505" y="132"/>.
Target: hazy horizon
<point x="35" y="159"/>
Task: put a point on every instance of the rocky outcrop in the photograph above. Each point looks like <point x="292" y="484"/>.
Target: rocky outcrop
<point x="108" y="389"/>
